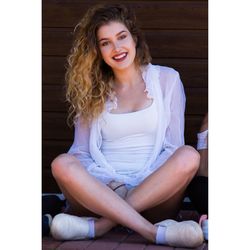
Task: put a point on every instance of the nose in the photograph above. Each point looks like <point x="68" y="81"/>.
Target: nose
<point x="116" y="46"/>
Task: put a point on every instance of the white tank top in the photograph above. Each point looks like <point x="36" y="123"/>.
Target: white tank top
<point x="128" y="139"/>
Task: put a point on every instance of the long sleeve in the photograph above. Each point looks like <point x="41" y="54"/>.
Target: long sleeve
<point x="174" y="101"/>
<point x="80" y="146"/>
<point x="175" y="132"/>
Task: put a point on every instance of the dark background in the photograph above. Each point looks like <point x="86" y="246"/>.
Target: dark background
<point x="177" y="35"/>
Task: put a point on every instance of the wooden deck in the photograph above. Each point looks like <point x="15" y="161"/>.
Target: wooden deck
<point x="118" y="239"/>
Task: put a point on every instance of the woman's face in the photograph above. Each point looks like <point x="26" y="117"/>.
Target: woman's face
<point x="117" y="46"/>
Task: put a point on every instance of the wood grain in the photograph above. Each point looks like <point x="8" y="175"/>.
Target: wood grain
<point x="170" y="14"/>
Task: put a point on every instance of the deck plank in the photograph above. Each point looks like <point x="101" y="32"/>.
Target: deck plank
<point x="201" y="247"/>
<point x="136" y="238"/>
<point x="133" y="241"/>
<point x="131" y="246"/>
<point x="49" y="243"/>
<point x="158" y="247"/>
<point x="120" y="241"/>
<point x="99" y="244"/>
<point x="111" y="240"/>
<point x="75" y="245"/>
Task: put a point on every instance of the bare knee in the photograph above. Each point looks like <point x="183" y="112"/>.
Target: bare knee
<point x="61" y="165"/>
<point x="189" y="160"/>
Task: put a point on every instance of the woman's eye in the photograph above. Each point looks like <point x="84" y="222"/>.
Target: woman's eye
<point x="105" y="44"/>
<point x="122" y="37"/>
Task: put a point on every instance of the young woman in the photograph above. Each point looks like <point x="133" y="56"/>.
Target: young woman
<point x="128" y="164"/>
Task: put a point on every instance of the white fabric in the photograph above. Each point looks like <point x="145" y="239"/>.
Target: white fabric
<point x="202" y="140"/>
<point x="163" y="84"/>
<point x="127" y="142"/>
<point x="204" y="227"/>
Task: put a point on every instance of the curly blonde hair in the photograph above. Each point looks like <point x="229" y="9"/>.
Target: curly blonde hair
<point x="88" y="77"/>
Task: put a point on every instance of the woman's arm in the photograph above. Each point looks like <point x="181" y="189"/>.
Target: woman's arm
<point x="175" y="100"/>
<point x="80" y="146"/>
<point x="175" y="132"/>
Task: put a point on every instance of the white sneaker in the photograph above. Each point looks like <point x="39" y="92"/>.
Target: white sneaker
<point x="182" y="234"/>
<point x="70" y="227"/>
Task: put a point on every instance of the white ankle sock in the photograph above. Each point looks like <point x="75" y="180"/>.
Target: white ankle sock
<point x="91" y="233"/>
<point x="160" y="236"/>
<point x="202" y="140"/>
<point x="204" y="227"/>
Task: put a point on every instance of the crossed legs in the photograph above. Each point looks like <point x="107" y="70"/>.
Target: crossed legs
<point x="83" y="190"/>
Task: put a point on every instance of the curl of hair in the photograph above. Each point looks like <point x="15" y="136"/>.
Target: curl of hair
<point x="88" y="77"/>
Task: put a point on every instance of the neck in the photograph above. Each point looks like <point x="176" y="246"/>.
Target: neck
<point x="127" y="78"/>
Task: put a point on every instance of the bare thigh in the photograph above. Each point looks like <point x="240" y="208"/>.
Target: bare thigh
<point x="75" y="208"/>
<point x="72" y="206"/>
<point x="166" y="210"/>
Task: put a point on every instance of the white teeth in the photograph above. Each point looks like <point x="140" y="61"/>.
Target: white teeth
<point x="120" y="56"/>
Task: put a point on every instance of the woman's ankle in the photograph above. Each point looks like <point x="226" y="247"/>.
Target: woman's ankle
<point x="103" y="226"/>
<point x="152" y="233"/>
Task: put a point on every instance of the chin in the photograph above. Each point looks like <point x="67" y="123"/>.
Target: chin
<point x="122" y="66"/>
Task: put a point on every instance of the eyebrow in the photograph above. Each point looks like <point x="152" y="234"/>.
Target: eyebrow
<point x="115" y="35"/>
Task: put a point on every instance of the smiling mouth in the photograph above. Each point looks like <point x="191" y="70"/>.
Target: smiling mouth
<point x="120" y="57"/>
